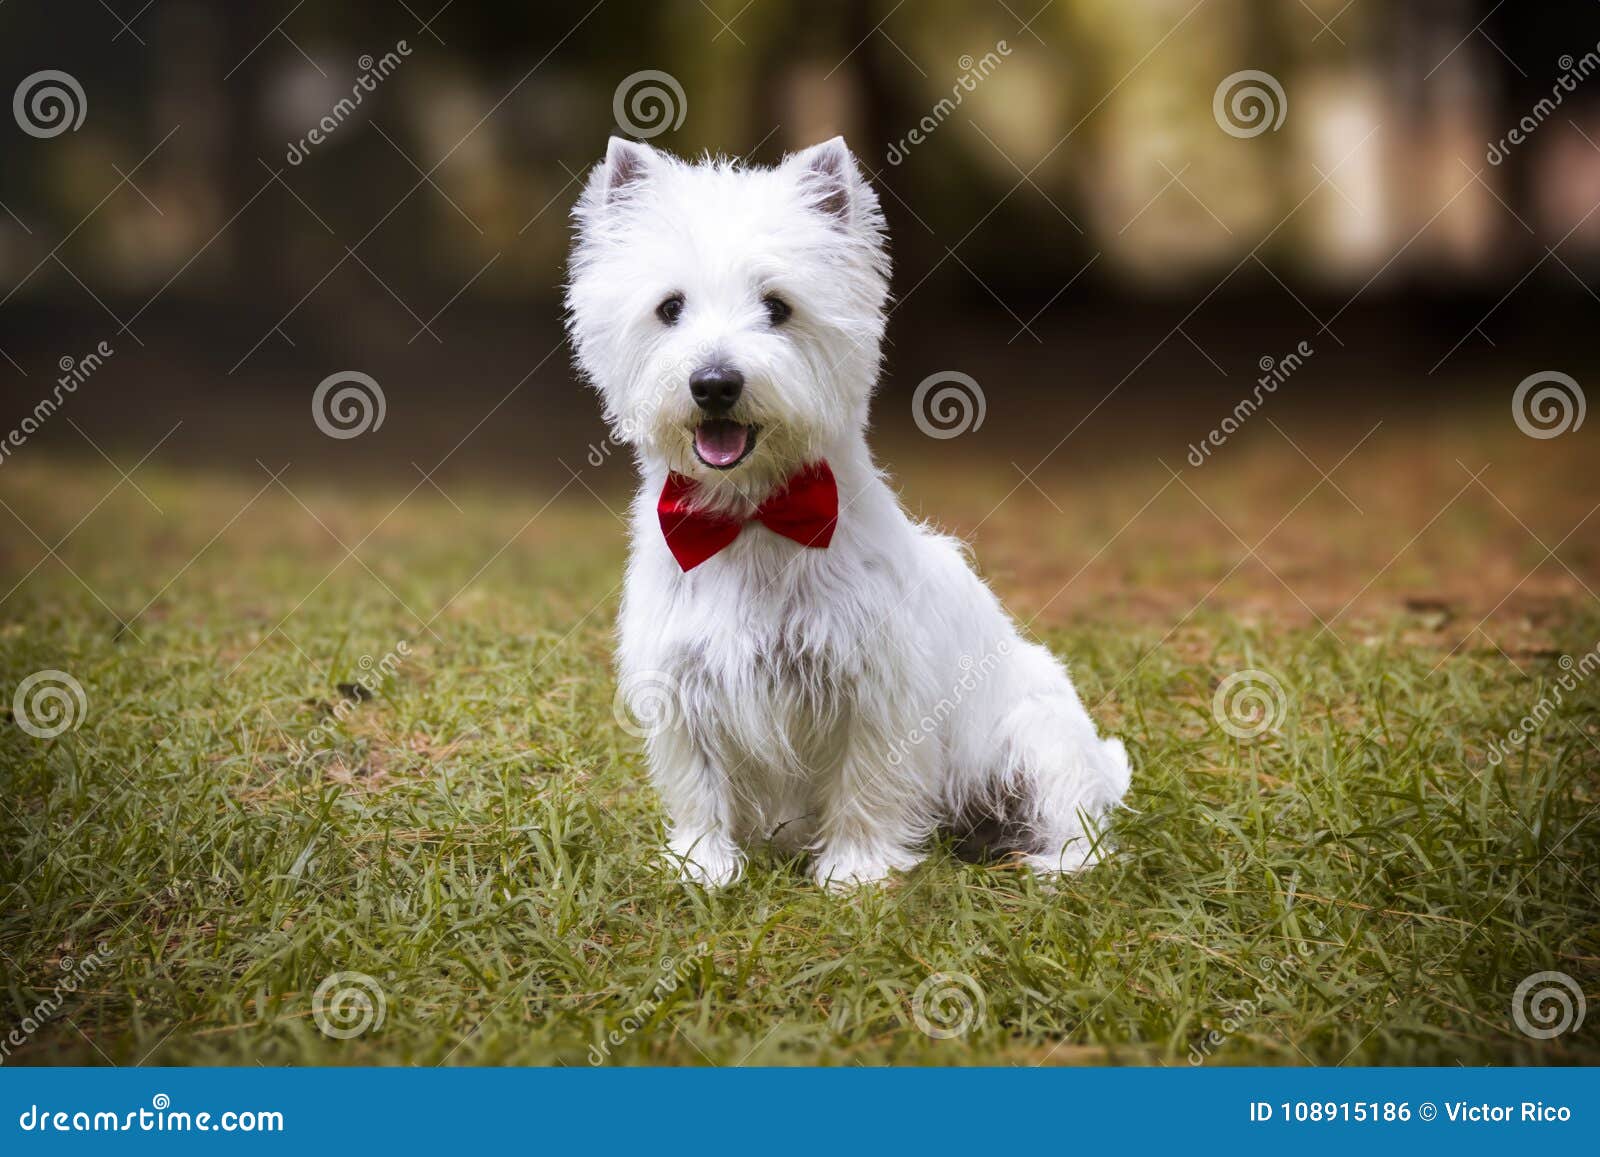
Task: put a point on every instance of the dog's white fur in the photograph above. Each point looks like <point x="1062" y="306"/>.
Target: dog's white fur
<point x="847" y="701"/>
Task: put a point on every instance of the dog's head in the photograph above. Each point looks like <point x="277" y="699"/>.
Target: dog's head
<point x="730" y="317"/>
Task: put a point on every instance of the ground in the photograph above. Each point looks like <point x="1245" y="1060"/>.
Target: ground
<point x="1356" y="876"/>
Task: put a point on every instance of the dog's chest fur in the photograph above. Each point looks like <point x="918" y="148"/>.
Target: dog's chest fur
<point x="769" y="652"/>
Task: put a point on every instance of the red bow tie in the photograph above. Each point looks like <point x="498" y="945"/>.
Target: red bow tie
<point x="805" y="510"/>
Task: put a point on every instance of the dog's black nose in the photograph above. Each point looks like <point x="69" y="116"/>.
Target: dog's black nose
<point x="716" y="388"/>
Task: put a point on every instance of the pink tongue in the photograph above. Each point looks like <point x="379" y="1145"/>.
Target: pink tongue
<point x="720" y="442"/>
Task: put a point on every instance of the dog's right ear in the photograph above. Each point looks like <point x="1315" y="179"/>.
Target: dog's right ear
<point x="627" y="162"/>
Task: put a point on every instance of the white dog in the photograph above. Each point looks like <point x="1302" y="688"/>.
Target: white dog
<point x="816" y="671"/>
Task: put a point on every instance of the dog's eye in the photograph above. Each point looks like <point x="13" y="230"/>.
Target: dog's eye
<point x="670" y="310"/>
<point x="778" y="310"/>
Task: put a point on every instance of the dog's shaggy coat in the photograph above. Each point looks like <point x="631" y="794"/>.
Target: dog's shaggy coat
<point x="848" y="701"/>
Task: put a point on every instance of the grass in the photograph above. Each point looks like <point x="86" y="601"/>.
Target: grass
<point x="1357" y="884"/>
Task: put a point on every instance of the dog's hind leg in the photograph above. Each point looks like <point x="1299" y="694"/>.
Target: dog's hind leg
<point x="1056" y="783"/>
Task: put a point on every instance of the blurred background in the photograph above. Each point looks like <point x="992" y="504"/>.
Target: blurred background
<point x="1113" y="217"/>
<point x="1239" y="337"/>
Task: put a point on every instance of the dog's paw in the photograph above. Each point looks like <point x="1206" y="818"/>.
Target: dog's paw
<point x="706" y="861"/>
<point x="1077" y="855"/>
<point x="845" y="870"/>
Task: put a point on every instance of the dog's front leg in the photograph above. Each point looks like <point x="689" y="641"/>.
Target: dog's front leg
<point x="875" y="809"/>
<point x="700" y="844"/>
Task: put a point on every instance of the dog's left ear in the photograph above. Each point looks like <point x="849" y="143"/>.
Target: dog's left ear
<point x="830" y="173"/>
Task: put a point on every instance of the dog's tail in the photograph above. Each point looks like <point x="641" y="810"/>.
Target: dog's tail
<point x="1071" y="823"/>
<point x="1119" y="769"/>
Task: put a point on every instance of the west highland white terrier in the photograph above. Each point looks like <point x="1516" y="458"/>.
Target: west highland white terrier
<point x="814" y="671"/>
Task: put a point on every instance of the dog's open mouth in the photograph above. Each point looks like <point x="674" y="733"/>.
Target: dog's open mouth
<point x="722" y="444"/>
